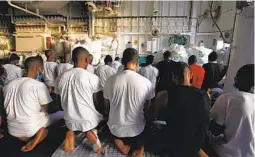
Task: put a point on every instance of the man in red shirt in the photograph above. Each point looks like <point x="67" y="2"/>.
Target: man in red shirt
<point x="197" y="71"/>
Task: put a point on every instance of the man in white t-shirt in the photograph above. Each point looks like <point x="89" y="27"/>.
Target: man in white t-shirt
<point x="50" y="70"/>
<point x="64" y="67"/>
<point x="105" y="71"/>
<point x="26" y="102"/>
<point x="149" y="71"/>
<point x="90" y="68"/>
<point x="128" y="94"/>
<point x="233" y="116"/>
<point x="13" y="71"/>
<point x="116" y="63"/>
<point x="78" y="90"/>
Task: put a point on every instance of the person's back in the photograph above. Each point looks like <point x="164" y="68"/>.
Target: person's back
<point x="76" y="88"/>
<point x="165" y="69"/>
<point x="13" y="71"/>
<point x="23" y="106"/>
<point x="197" y="71"/>
<point x="150" y="73"/>
<point x="214" y="72"/>
<point x="116" y="64"/>
<point x="127" y="94"/>
<point x="187" y="117"/>
<point x="198" y="75"/>
<point x="49" y="73"/>
<point x="63" y="67"/>
<point x="238" y="119"/>
<point x="233" y="116"/>
<point x="104" y="72"/>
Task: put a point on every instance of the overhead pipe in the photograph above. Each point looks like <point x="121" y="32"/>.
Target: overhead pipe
<point x="35" y="14"/>
<point x="122" y="17"/>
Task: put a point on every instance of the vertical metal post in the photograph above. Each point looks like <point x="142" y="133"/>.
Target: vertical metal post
<point x="92" y="24"/>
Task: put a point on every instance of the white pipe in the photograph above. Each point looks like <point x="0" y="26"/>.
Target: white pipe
<point x="33" y="13"/>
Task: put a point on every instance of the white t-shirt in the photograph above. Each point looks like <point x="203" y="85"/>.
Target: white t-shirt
<point x="63" y="67"/>
<point x="150" y="73"/>
<point x="90" y="69"/>
<point x="236" y="112"/>
<point x="13" y="71"/>
<point x="116" y="65"/>
<point x="23" y="99"/>
<point x="76" y="88"/>
<point x="49" y="73"/>
<point x="127" y="92"/>
<point x="121" y="68"/>
<point x="104" y="72"/>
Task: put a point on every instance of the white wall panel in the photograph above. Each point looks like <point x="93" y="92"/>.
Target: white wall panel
<point x="243" y="53"/>
<point x="135" y="8"/>
<point x="173" y="8"/>
<point x="140" y="28"/>
<point x="181" y="7"/>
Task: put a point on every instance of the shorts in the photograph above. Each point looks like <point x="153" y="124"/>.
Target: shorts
<point x="134" y="142"/>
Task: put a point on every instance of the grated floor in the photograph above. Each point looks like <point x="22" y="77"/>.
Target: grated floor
<point x="83" y="149"/>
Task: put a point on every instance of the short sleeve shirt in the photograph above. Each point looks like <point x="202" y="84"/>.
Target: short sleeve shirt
<point x="104" y="72"/>
<point x="76" y="88"/>
<point x="150" y="73"/>
<point x="127" y="92"/>
<point x="63" y="67"/>
<point x="13" y="71"/>
<point x="236" y="112"/>
<point x="49" y="73"/>
<point x="23" y="102"/>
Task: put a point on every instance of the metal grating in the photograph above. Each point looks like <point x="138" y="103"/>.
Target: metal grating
<point x="83" y="149"/>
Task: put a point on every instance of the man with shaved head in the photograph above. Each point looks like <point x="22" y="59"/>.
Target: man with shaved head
<point x="64" y="67"/>
<point x="128" y="96"/>
<point x="78" y="90"/>
<point x="26" y="102"/>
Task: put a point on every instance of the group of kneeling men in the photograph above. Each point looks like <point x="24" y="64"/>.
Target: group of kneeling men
<point x="129" y="104"/>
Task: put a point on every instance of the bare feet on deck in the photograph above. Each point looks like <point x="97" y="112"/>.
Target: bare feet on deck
<point x="39" y="137"/>
<point x="138" y="152"/>
<point x="202" y="153"/>
<point x="124" y="149"/>
<point x="93" y="139"/>
<point x="69" y="141"/>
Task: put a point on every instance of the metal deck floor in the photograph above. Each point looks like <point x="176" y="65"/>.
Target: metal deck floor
<point x="83" y="149"/>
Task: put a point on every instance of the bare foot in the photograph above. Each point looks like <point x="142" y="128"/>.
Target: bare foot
<point x="69" y="141"/>
<point x="39" y="137"/>
<point x="202" y="153"/>
<point x="138" y="152"/>
<point x="93" y="139"/>
<point x="124" y="149"/>
<point x="1" y="135"/>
